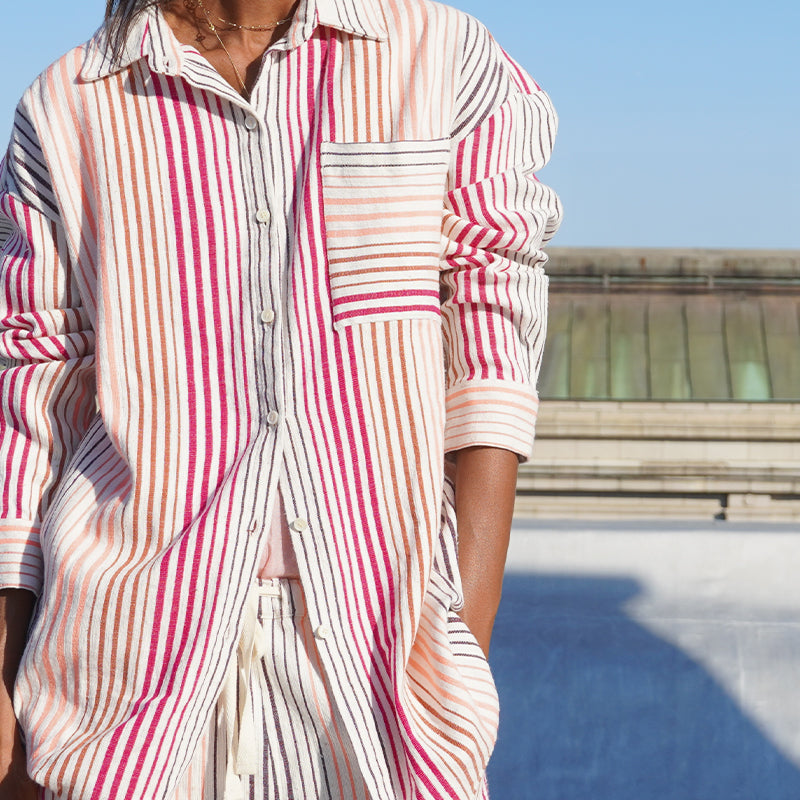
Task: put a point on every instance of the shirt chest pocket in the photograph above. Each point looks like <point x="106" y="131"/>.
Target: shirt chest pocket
<point x="383" y="206"/>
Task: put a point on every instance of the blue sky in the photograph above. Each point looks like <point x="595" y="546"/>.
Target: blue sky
<point x="680" y="121"/>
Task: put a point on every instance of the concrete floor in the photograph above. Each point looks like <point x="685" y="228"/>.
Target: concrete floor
<point x="649" y="661"/>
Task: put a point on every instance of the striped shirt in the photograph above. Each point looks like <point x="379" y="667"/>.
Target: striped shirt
<point x="207" y="302"/>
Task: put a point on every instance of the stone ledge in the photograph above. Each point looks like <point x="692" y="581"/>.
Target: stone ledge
<point x="745" y="507"/>
<point x="659" y="485"/>
<point x="680" y="478"/>
<point x="616" y="507"/>
<point x="583" y="468"/>
<point x="675" y="262"/>
<point x="660" y="421"/>
<point x="734" y="507"/>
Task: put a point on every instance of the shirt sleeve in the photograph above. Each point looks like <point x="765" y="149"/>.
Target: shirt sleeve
<point x="497" y="217"/>
<point x="46" y="357"/>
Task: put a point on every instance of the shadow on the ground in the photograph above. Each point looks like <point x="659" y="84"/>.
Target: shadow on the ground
<point x="596" y="707"/>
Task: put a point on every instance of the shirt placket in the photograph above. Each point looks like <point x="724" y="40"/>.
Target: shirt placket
<point x="263" y="183"/>
<point x="265" y="188"/>
<point x="264" y="265"/>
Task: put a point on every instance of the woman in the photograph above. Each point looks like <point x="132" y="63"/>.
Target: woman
<point x="270" y="266"/>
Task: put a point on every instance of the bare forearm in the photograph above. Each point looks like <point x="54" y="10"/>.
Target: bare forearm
<point x="16" y="607"/>
<point x="486" y="480"/>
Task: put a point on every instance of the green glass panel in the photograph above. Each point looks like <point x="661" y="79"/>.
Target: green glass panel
<point x="709" y="374"/>
<point x="660" y="346"/>
<point x="744" y="334"/>
<point x="782" y="334"/>
<point x="750" y="381"/>
<point x="627" y="350"/>
<point x="589" y="354"/>
<point x="554" y="374"/>
<point x="666" y="336"/>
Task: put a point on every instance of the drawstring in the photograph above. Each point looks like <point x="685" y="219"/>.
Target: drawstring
<point x="242" y="756"/>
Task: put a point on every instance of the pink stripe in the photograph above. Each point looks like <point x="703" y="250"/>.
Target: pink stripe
<point x="383" y="311"/>
<point x="400" y="293"/>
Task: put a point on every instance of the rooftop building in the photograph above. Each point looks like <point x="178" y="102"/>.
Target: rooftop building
<point x="670" y="386"/>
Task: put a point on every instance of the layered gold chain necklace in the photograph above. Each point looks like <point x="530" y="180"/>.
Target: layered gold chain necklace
<point x="191" y="5"/>
<point x="268" y="26"/>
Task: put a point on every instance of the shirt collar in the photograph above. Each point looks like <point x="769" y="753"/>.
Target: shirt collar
<point x="149" y="36"/>
<point x="360" y="17"/>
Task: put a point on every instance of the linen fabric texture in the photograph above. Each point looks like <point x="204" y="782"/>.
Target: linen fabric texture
<point x="291" y="717"/>
<point x="378" y="195"/>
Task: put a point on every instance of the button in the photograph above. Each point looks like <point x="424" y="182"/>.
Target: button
<point x="263" y="215"/>
<point x="322" y="632"/>
<point x="254" y="526"/>
<point x="251" y="123"/>
<point x="299" y="524"/>
<point x="273" y="417"/>
<point x="268" y="316"/>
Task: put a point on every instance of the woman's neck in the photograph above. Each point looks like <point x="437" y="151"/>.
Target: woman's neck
<point x="213" y="28"/>
<point x="247" y="12"/>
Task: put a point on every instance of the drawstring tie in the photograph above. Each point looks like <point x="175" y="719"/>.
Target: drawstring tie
<point x="242" y="757"/>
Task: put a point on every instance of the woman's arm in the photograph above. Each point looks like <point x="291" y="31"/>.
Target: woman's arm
<point x="486" y="480"/>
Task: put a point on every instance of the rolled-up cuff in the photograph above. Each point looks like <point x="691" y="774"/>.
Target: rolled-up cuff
<point x="21" y="564"/>
<point x="491" y="414"/>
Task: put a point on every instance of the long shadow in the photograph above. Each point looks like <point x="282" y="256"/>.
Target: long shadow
<point x="595" y="707"/>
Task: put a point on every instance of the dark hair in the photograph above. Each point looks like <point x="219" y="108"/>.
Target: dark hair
<point x="119" y="17"/>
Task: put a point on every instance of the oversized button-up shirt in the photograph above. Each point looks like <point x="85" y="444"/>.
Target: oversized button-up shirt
<point x="208" y="301"/>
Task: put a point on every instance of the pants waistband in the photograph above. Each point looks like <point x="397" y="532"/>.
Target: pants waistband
<point x="279" y="597"/>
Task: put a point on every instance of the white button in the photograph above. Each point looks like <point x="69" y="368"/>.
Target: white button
<point x="251" y="123"/>
<point x="268" y="316"/>
<point x="299" y="524"/>
<point x="322" y="632"/>
<point x="273" y="417"/>
<point x="254" y="526"/>
<point x="263" y="215"/>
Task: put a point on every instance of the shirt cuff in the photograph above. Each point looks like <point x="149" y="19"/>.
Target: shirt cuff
<point x="491" y="413"/>
<point x="21" y="565"/>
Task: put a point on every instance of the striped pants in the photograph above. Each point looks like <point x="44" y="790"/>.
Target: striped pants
<point x="275" y="734"/>
<point x="288" y="740"/>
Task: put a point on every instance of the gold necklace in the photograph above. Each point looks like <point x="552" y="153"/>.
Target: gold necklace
<point x="222" y="45"/>
<point x="269" y="26"/>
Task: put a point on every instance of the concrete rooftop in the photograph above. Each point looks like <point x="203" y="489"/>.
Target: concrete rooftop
<point x="649" y="661"/>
